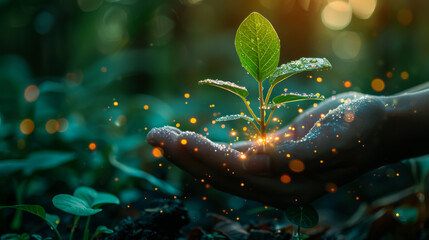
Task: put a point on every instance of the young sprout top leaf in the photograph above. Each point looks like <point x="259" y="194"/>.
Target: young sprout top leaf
<point x="298" y="66"/>
<point x="258" y="46"/>
<point x="229" y="86"/>
<point x="303" y="216"/>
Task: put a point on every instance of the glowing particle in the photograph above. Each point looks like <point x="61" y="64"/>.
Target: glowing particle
<point x="389" y="74"/>
<point x="288" y="155"/>
<point x="244" y="129"/>
<point x="331" y="187"/>
<point x="31" y="93"/>
<point x="195" y="149"/>
<point x="238" y="218"/>
<point x="242" y="184"/>
<point x="296" y="165"/>
<point x="285" y="179"/>
<point x="156" y="189"/>
<point x="52" y="126"/>
<point x="103" y="69"/>
<point x="26" y="126"/>
<point x="187" y="95"/>
<point x="334" y="150"/>
<point x="357" y="198"/>
<point x="314" y="104"/>
<point x="92" y="146"/>
<point x="397" y="214"/>
<point x="233" y="133"/>
<point x="115" y="103"/>
<point x="300" y="110"/>
<point x="222" y="126"/>
<point x="242" y="156"/>
<point x="146" y="107"/>
<point x="213" y="122"/>
<point x="204" y="198"/>
<point x="347" y="84"/>
<point x="116" y="179"/>
<point x="184" y="141"/>
<point x="177" y="124"/>
<point x="318" y="124"/>
<point x="157" y="152"/>
<point x="319" y="79"/>
<point x="193" y="120"/>
<point x="378" y="85"/>
<point x="321" y="161"/>
<point x="322" y="115"/>
<point x="405" y="75"/>
<point x="160" y="164"/>
<point x="275" y="119"/>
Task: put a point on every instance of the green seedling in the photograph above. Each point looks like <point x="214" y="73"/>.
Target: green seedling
<point x="84" y="202"/>
<point x="303" y="217"/>
<point x="50" y="219"/>
<point x="258" y="48"/>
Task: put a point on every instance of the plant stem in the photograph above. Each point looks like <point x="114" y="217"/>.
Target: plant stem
<point x="86" y="231"/>
<point x="262" y="107"/>
<point x="271" y="115"/>
<point x="76" y="221"/>
<point x="267" y="98"/>
<point x="299" y="232"/>
<point x="250" y="110"/>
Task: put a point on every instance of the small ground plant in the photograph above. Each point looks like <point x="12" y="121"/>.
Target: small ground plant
<point x="258" y="48"/>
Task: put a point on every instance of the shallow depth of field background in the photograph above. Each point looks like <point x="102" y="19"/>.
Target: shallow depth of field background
<point x="92" y="77"/>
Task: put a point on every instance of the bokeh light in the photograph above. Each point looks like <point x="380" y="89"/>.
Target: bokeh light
<point x="52" y="126"/>
<point x="157" y="152"/>
<point x="405" y="17"/>
<point x="31" y="93"/>
<point x="27" y="126"/>
<point x="296" y="165"/>
<point x="337" y="15"/>
<point x="347" y="45"/>
<point x="363" y="9"/>
<point x="378" y="84"/>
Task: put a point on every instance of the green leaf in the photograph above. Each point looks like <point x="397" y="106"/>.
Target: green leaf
<point x="104" y="198"/>
<point x="298" y="66"/>
<point x="234" y="117"/>
<point x="73" y="205"/>
<point x="15" y="236"/>
<point x="85" y="193"/>
<point x="229" y="86"/>
<point x="103" y="229"/>
<point x="258" y="46"/>
<point x="54" y="220"/>
<point x="294" y="97"/>
<point x="406" y="215"/>
<point x="37" y="210"/>
<point x="304" y="216"/>
<point x="163" y="185"/>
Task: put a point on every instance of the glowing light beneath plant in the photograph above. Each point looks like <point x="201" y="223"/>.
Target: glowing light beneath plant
<point x="363" y="9"/>
<point x="405" y="17"/>
<point x="157" y="152"/>
<point x="337" y="15"/>
<point x="92" y="146"/>
<point x="378" y="85"/>
<point x="52" y="126"/>
<point x="405" y="75"/>
<point x="285" y="179"/>
<point x="296" y="165"/>
<point x="31" y="93"/>
<point x="347" y="45"/>
<point x="26" y="126"/>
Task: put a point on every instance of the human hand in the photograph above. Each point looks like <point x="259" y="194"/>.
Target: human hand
<point x="291" y="167"/>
